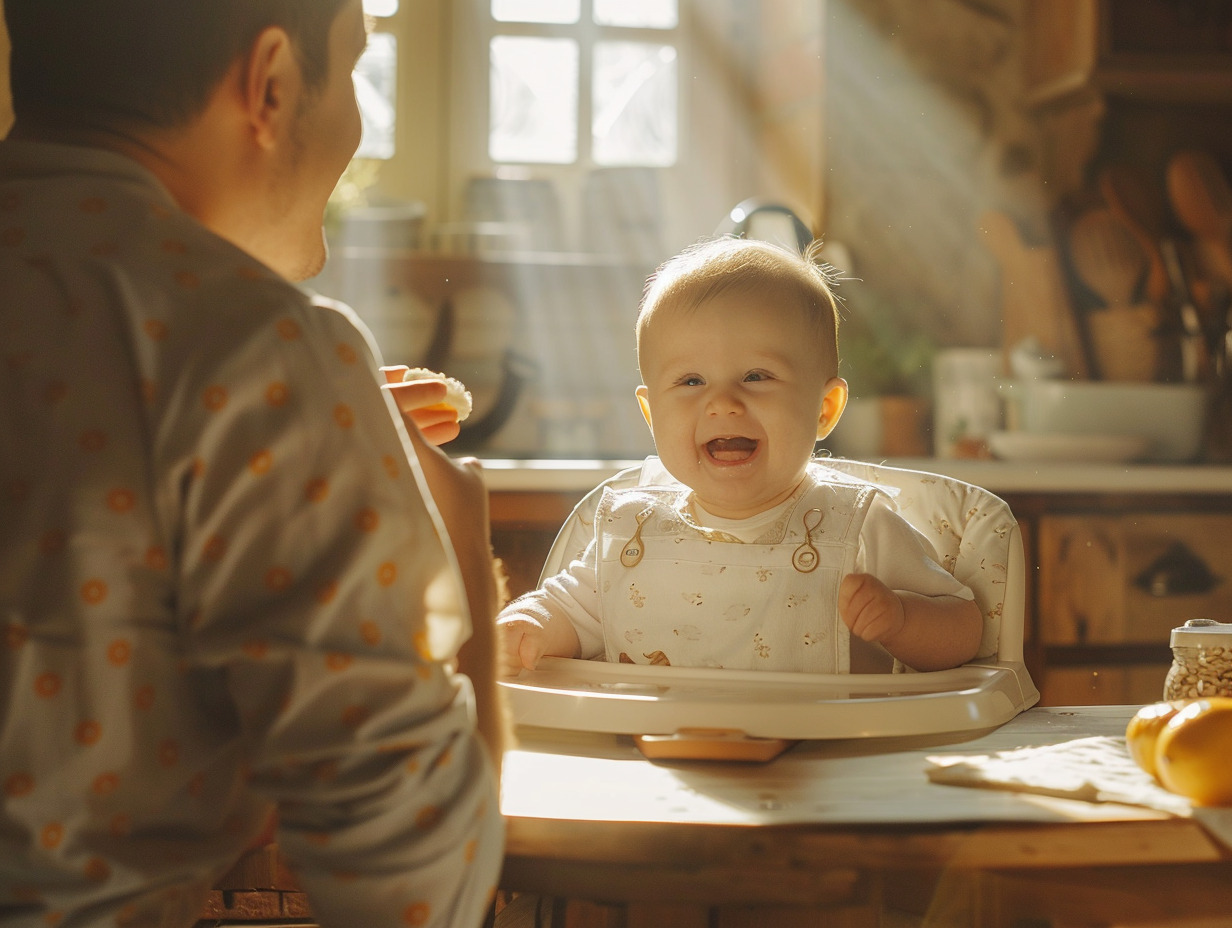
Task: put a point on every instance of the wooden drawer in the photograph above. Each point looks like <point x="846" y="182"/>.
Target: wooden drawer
<point x="1102" y="684"/>
<point x="1130" y="579"/>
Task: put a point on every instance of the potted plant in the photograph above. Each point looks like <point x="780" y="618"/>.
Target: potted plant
<point x="889" y="370"/>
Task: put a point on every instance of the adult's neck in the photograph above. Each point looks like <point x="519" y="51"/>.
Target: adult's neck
<point x="152" y="148"/>
<point x="197" y="164"/>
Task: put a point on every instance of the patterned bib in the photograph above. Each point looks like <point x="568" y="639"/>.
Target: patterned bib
<point x="674" y="592"/>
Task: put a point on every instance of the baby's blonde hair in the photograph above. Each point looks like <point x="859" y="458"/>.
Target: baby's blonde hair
<point x="708" y="269"/>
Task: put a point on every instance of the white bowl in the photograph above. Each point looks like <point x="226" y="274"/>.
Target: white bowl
<point x="1171" y="416"/>
<point x="1059" y="446"/>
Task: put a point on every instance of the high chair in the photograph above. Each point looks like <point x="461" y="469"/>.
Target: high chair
<point x="736" y="714"/>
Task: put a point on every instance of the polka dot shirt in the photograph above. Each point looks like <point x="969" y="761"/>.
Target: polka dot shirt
<point x="217" y="578"/>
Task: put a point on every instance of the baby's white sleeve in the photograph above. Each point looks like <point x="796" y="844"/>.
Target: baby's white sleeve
<point x="574" y="592"/>
<point x="901" y="557"/>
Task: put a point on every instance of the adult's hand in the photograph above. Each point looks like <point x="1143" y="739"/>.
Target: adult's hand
<point x="461" y="496"/>
<point x="422" y="404"/>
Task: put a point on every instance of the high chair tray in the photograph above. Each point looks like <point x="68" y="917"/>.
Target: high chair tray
<point x="638" y="699"/>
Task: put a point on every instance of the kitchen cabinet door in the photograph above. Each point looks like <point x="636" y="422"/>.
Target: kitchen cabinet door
<point x="1130" y="579"/>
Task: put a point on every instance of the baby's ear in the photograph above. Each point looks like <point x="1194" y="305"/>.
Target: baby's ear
<point x="832" y="405"/>
<point x="643" y="402"/>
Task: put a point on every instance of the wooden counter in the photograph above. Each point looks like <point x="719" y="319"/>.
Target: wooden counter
<point x="849" y="828"/>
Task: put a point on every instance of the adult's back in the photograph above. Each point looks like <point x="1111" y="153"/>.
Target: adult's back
<point x="225" y="589"/>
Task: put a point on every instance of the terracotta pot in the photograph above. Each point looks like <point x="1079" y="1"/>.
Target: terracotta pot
<point x="882" y="427"/>
<point x="904" y="426"/>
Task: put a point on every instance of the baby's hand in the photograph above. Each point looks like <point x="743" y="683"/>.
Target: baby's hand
<point x="524" y="640"/>
<point x="869" y="608"/>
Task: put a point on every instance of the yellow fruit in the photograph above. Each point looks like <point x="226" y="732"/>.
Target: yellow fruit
<point x="1193" y="756"/>
<point x="1143" y="730"/>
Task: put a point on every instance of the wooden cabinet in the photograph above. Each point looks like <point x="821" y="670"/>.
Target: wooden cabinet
<point x="1110" y="588"/>
<point x="1125" y="81"/>
<point x="1165" y="50"/>
<point x="1130" y="579"/>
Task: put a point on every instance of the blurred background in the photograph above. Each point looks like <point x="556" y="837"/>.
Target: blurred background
<point x="1043" y="177"/>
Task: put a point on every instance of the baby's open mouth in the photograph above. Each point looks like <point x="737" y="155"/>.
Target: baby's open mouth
<point x="731" y="450"/>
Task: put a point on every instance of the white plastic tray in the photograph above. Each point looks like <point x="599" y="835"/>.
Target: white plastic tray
<point x="637" y="699"/>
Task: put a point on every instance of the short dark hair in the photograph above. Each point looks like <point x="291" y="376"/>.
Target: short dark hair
<point x="146" y="62"/>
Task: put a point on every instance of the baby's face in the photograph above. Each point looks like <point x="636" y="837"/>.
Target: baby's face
<point x="734" y="391"/>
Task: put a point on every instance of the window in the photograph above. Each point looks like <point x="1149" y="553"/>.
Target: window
<point x="570" y="145"/>
<point x="556" y="65"/>
<point x="376" y="78"/>
<point x="566" y="120"/>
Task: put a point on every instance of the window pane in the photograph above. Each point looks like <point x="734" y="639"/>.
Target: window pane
<point x="634" y="104"/>
<point x="536" y="11"/>
<point x="645" y="14"/>
<point x="376" y="80"/>
<point x="380" y="7"/>
<point x="534" y="100"/>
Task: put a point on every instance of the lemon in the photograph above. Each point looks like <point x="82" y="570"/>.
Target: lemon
<point x="1143" y="730"/>
<point x="1193" y="756"/>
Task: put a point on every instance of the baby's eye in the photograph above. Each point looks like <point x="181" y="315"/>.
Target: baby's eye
<point x="691" y="380"/>
<point x="756" y="375"/>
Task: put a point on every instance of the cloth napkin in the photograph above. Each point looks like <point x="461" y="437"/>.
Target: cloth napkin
<point x="1097" y="769"/>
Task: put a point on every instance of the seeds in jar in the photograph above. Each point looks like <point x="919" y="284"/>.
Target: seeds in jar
<point x="1201" y="671"/>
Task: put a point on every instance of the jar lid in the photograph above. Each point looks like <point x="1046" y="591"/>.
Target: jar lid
<point x="1196" y="633"/>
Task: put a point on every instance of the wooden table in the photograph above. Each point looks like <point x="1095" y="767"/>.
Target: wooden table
<point x="851" y="829"/>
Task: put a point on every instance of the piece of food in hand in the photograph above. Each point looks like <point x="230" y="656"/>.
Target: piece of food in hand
<point x="1192" y="756"/>
<point x="1142" y="733"/>
<point x="457" y="397"/>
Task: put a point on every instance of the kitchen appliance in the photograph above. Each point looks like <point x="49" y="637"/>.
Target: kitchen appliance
<point x="767" y="221"/>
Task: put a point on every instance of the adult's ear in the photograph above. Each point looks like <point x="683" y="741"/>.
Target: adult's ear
<point x="643" y="402"/>
<point x="272" y="83"/>
<point x="832" y="406"/>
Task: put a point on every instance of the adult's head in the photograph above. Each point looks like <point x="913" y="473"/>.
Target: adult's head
<point x="147" y="63"/>
<point x="244" y="109"/>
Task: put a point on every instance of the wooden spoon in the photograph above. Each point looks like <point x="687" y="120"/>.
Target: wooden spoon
<point x="1107" y="256"/>
<point x="1202" y="201"/>
<point x="1141" y="206"/>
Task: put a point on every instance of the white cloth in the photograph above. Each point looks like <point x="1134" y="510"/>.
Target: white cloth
<point x="881" y="543"/>
<point x="221" y="591"/>
<point x="1095" y="769"/>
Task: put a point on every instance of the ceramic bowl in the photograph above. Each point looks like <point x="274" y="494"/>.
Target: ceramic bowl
<point x="1171" y="416"/>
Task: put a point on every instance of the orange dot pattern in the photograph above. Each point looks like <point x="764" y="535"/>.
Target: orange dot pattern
<point x="417" y="914"/>
<point x="15" y="636"/>
<point x="87" y="732"/>
<point x="276" y="394"/>
<point x="105" y="784"/>
<point x="18" y="784"/>
<point x="254" y="492"/>
<point x="94" y="591"/>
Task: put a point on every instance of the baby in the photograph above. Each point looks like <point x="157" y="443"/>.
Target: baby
<point x="739" y="550"/>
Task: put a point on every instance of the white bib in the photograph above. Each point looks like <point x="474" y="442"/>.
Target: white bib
<point x="673" y="592"/>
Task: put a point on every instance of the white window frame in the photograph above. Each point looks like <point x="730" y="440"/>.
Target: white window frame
<point x="472" y="29"/>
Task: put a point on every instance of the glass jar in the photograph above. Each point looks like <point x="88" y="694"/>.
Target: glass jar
<point x="1201" y="660"/>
